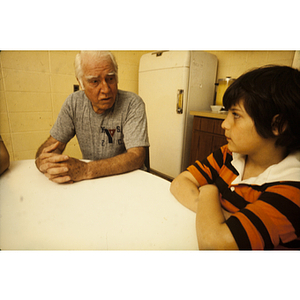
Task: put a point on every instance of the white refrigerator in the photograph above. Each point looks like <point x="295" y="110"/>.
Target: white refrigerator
<point x="173" y="83"/>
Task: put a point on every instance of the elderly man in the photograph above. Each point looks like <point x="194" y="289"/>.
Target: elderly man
<point x="110" y="125"/>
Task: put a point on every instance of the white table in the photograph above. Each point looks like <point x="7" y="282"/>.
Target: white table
<point x="133" y="211"/>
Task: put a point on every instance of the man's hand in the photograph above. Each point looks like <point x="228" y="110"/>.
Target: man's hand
<point x="64" y="169"/>
<point x="68" y="171"/>
<point x="49" y="159"/>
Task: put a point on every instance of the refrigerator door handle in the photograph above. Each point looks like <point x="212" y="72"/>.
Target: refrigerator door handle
<point x="179" y="108"/>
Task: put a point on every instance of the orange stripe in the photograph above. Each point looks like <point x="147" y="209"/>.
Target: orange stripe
<point x="266" y="214"/>
<point x="213" y="163"/>
<point x="255" y="238"/>
<point x="248" y="193"/>
<point x="227" y="175"/>
<point x="228" y="206"/>
<point x="270" y="216"/>
<point x="193" y="170"/>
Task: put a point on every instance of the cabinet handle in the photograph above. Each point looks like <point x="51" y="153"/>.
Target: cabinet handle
<point x="179" y="108"/>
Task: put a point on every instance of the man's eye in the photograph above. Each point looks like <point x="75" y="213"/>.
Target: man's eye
<point x="110" y="78"/>
<point x="235" y="115"/>
<point x="94" y="82"/>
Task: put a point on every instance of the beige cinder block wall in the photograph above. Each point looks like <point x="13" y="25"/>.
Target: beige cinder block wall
<point x="34" y="85"/>
<point x="235" y="63"/>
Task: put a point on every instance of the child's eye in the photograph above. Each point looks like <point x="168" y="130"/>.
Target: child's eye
<point x="234" y="114"/>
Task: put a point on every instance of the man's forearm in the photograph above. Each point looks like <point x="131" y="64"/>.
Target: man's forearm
<point x="131" y="160"/>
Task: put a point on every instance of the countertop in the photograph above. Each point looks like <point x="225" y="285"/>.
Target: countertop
<point x="209" y="114"/>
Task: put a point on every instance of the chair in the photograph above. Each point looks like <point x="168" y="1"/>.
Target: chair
<point x="147" y="159"/>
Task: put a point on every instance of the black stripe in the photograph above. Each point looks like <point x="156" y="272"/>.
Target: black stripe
<point x="228" y="164"/>
<point x="267" y="185"/>
<point x="232" y="197"/>
<point x="239" y="233"/>
<point x="214" y="173"/>
<point x="295" y="244"/>
<point x="285" y="206"/>
<point x="218" y="156"/>
<point x="260" y="226"/>
<point x="295" y="184"/>
<point x="203" y="173"/>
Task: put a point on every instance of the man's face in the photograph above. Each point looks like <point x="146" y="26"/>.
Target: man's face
<point x="100" y="83"/>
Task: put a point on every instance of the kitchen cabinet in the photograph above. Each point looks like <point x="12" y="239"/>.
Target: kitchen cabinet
<point x="207" y="135"/>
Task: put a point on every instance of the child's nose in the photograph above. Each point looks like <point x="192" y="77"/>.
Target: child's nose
<point x="224" y="124"/>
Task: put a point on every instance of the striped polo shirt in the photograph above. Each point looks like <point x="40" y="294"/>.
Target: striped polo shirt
<point x="265" y="209"/>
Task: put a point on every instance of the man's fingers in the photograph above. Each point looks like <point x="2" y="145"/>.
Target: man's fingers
<point x="54" y="158"/>
<point x="59" y="179"/>
<point x="58" y="158"/>
<point x="47" y="167"/>
<point x="57" y="170"/>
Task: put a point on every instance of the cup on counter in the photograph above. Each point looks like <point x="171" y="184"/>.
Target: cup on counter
<point x="216" y="108"/>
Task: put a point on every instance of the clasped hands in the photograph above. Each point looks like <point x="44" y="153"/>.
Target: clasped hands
<point x="60" y="168"/>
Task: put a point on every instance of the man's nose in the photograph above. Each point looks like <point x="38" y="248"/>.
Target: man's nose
<point x="104" y="87"/>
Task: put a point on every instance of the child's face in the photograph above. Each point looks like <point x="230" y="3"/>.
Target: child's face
<point x="241" y="133"/>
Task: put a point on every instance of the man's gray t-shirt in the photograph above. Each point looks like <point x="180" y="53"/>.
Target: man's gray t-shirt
<point x="104" y="135"/>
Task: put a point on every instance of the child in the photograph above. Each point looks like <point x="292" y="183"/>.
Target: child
<point x="246" y="195"/>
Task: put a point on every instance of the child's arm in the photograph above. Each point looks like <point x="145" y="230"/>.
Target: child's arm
<point x="212" y="231"/>
<point x="185" y="188"/>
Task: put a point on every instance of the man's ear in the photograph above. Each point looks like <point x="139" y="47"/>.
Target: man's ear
<point x="277" y="126"/>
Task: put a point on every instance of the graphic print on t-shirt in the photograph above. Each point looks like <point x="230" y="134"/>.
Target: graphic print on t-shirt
<point x="110" y="133"/>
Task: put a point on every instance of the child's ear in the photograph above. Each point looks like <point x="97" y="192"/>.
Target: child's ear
<point x="277" y="126"/>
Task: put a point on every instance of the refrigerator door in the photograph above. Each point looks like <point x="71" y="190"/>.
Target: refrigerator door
<point x="203" y="73"/>
<point x="163" y="85"/>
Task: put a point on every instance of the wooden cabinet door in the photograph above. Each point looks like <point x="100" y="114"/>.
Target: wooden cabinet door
<point x="218" y="141"/>
<point x="202" y="145"/>
<point x="207" y="137"/>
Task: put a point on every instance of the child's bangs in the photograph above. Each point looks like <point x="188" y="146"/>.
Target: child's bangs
<point x="232" y="96"/>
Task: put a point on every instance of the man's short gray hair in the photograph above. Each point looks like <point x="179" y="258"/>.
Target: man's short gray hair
<point x="103" y="55"/>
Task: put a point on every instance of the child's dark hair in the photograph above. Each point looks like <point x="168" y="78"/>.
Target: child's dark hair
<point x="268" y="92"/>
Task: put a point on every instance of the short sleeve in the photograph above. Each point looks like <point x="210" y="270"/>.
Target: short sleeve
<point x="135" y="125"/>
<point x="270" y="221"/>
<point x="63" y="129"/>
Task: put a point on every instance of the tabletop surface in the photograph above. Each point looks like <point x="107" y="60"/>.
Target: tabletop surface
<point x="132" y="211"/>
